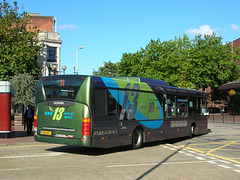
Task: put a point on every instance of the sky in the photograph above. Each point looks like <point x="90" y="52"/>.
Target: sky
<point x="108" y="28"/>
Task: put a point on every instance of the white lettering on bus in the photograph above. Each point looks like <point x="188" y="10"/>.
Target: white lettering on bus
<point x="58" y="102"/>
<point x="105" y="132"/>
<point x="179" y="123"/>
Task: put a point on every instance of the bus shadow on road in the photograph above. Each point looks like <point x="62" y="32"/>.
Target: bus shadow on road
<point x="102" y="151"/>
<point x="87" y="151"/>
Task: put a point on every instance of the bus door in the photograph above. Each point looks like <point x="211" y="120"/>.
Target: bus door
<point x="105" y="130"/>
<point x="114" y="111"/>
<point x="109" y="129"/>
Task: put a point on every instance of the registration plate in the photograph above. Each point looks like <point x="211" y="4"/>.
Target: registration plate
<point x="48" y="133"/>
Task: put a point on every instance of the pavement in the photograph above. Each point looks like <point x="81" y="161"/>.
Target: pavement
<point x="18" y="136"/>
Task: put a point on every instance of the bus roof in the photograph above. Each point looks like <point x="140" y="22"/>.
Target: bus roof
<point x="157" y="86"/>
<point x="142" y="79"/>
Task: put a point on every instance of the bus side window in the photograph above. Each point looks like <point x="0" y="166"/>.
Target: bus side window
<point x="100" y="105"/>
<point x="194" y="110"/>
<point x="112" y="106"/>
<point x="204" y="111"/>
<point x="171" y="106"/>
<point x="182" y="107"/>
<point x="161" y="99"/>
<point x="99" y="101"/>
<point x="164" y="106"/>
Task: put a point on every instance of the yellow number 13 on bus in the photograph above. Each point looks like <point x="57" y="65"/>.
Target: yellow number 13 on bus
<point x="58" y="113"/>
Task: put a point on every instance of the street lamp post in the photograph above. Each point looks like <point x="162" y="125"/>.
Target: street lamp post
<point x="81" y="47"/>
<point x="64" y="68"/>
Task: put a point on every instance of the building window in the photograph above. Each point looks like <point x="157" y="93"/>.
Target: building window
<point x="51" y="54"/>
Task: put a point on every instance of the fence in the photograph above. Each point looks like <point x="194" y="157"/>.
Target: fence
<point x="224" y="118"/>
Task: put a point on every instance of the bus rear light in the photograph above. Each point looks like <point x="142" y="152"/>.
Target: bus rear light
<point x="86" y="133"/>
<point x="35" y="123"/>
<point x="86" y="126"/>
<point x="86" y="119"/>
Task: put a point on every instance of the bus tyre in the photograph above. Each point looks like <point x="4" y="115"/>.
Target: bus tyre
<point x="137" y="138"/>
<point x="192" y="131"/>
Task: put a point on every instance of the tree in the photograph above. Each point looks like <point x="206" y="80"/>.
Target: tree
<point x="108" y="70"/>
<point x="198" y="63"/>
<point x="166" y="61"/>
<point x="213" y="63"/>
<point x="19" y="47"/>
<point x="23" y="85"/>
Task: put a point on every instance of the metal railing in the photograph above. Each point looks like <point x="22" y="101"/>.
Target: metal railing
<point x="224" y="118"/>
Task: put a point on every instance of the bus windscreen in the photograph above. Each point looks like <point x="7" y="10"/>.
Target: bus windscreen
<point x="61" y="88"/>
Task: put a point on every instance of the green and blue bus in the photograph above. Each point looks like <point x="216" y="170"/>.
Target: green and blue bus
<point x="107" y="112"/>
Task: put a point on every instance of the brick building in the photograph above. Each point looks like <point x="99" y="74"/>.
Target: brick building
<point x="50" y="54"/>
<point x="235" y="85"/>
<point x="236" y="44"/>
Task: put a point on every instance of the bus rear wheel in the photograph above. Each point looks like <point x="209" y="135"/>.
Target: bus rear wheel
<point x="192" y="131"/>
<point x="137" y="138"/>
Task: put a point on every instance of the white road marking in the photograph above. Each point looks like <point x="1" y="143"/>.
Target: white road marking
<point x="212" y="158"/>
<point x="237" y="171"/>
<point x="192" y="152"/>
<point x="224" y="161"/>
<point x="16" y="169"/>
<point x="199" y="154"/>
<point x="212" y="162"/>
<point x="33" y="156"/>
<point x="237" y="165"/>
<point x="224" y="166"/>
<point x="188" y="154"/>
<point x="200" y="158"/>
<point x="154" y="164"/>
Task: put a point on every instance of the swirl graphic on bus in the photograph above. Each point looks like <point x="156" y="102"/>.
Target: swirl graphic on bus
<point x="133" y="102"/>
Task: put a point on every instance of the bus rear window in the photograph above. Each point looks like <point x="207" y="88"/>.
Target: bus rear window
<point x="61" y="88"/>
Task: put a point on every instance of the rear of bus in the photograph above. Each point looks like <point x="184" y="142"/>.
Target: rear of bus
<point x="62" y="110"/>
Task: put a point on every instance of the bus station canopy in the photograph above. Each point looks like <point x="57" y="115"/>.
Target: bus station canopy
<point x="231" y="85"/>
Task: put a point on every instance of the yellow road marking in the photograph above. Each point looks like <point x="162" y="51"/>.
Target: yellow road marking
<point x="196" y="150"/>
<point x="221" y="147"/>
<point x="224" y="158"/>
<point x="213" y="143"/>
<point x="209" y="153"/>
<point x="228" y="150"/>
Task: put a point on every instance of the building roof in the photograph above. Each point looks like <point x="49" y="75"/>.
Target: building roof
<point x="230" y="85"/>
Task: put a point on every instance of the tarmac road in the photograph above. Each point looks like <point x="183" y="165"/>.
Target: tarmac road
<point x="215" y="155"/>
<point x="222" y="141"/>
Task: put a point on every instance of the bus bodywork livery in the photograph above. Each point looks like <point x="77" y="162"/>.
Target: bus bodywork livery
<point x="106" y="112"/>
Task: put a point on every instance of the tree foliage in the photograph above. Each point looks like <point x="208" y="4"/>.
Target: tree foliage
<point x="23" y="85"/>
<point x="19" y="47"/>
<point x="214" y="63"/>
<point x="198" y="63"/>
<point x="108" y="70"/>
